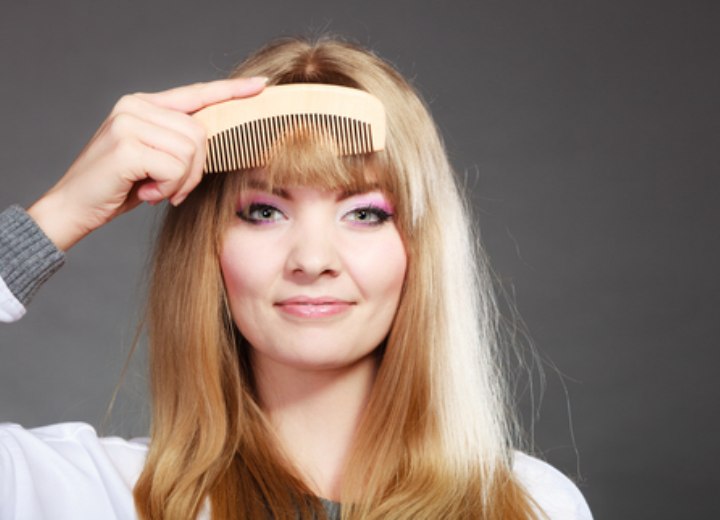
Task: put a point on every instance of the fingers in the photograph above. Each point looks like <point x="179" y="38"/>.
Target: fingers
<point x="169" y="132"/>
<point x="166" y="113"/>
<point x="164" y="174"/>
<point x="192" y="98"/>
<point x="148" y="149"/>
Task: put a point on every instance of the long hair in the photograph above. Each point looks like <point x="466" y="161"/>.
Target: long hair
<point x="435" y="438"/>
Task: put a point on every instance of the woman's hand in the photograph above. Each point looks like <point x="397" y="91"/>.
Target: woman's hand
<point x="148" y="149"/>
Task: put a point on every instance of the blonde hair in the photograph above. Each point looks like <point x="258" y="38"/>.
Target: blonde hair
<point x="435" y="439"/>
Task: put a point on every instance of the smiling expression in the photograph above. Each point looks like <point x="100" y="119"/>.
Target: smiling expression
<point x="313" y="276"/>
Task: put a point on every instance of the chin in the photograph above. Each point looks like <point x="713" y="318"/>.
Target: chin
<point x="319" y="359"/>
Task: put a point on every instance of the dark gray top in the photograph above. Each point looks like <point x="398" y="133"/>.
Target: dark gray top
<point x="332" y="509"/>
<point x="27" y="256"/>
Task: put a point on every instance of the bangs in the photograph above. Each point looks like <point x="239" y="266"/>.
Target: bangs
<point x="306" y="161"/>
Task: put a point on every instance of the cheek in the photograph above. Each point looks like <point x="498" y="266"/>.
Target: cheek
<point x="380" y="268"/>
<point x="245" y="269"/>
<point x="231" y="265"/>
<point x="395" y="261"/>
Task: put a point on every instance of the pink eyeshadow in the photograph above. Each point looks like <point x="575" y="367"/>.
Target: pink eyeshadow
<point x="376" y="200"/>
<point x="249" y="199"/>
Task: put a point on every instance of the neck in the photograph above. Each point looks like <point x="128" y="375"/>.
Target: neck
<point x="315" y="414"/>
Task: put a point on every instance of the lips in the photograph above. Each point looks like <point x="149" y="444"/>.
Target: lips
<point x="313" y="307"/>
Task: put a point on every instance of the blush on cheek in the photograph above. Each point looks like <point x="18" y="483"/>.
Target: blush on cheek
<point x="231" y="271"/>
<point x="249" y="264"/>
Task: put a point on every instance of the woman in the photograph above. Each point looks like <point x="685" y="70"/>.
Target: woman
<point x="319" y="327"/>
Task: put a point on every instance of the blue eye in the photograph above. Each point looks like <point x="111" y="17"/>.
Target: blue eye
<point x="368" y="216"/>
<point x="260" y="213"/>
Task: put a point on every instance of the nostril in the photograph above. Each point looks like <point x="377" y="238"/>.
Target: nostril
<point x="313" y="271"/>
<point x="313" y="256"/>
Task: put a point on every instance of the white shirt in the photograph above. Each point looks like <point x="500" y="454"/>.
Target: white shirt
<point x="10" y="307"/>
<point x="66" y="472"/>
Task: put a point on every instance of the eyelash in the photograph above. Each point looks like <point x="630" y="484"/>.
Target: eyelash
<point x="247" y="212"/>
<point x="379" y="215"/>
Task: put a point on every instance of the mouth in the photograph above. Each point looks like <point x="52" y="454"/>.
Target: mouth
<point x="313" y="307"/>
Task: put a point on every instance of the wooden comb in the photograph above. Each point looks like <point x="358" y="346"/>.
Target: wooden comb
<point x="242" y="132"/>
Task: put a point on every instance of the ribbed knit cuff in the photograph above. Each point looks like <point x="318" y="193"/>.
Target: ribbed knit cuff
<point x="27" y="256"/>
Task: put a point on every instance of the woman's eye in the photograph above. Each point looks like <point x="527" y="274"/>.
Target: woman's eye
<point x="369" y="215"/>
<point x="260" y="213"/>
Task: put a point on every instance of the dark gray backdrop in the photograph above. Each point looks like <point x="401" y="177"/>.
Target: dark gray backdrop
<point x="588" y="132"/>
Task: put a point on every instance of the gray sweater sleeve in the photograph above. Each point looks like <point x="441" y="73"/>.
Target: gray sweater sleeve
<point x="27" y="256"/>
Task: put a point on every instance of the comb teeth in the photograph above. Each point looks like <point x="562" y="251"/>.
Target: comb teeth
<point x="243" y="133"/>
<point x="249" y="145"/>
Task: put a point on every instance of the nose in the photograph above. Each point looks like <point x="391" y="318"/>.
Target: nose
<point x="313" y="252"/>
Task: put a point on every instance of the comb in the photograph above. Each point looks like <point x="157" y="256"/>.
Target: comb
<point x="242" y="132"/>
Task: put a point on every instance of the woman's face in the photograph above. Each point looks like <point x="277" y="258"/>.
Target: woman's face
<point x="313" y="276"/>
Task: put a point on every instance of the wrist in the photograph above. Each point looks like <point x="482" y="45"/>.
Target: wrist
<point x="57" y="222"/>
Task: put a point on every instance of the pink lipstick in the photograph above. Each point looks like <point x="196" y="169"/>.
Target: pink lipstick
<point x="307" y="307"/>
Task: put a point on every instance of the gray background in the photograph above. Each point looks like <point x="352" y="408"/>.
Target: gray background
<point x="588" y="132"/>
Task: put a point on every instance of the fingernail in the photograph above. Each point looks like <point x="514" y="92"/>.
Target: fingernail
<point x="149" y="192"/>
<point x="176" y="201"/>
<point x="263" y="80"/>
